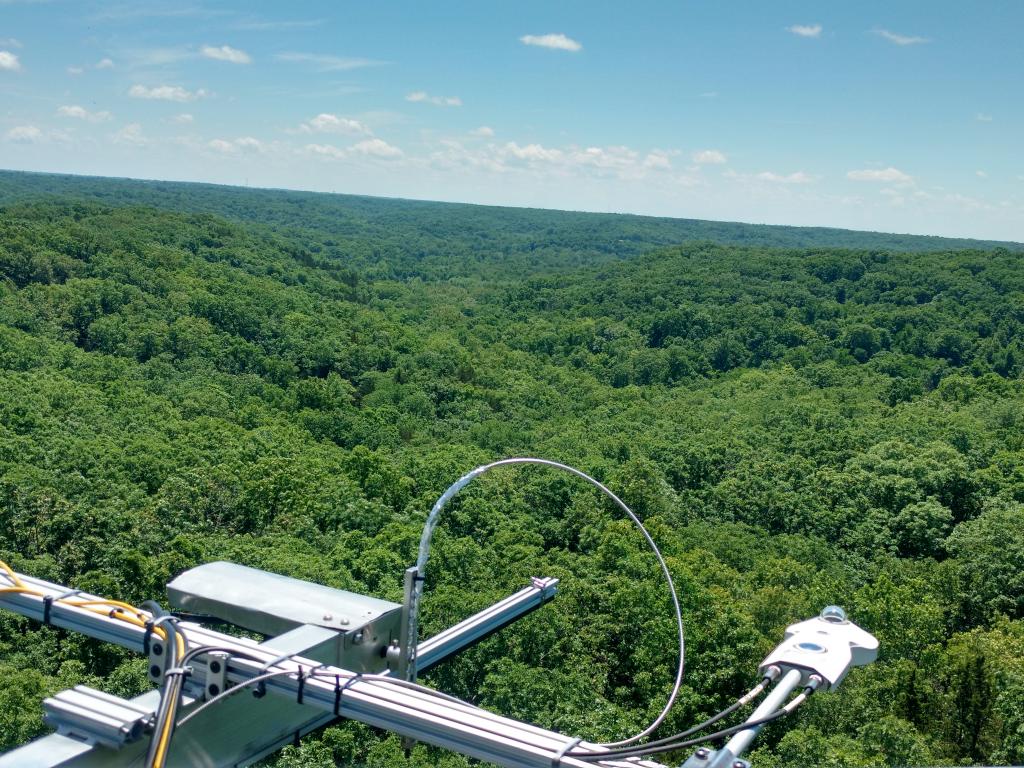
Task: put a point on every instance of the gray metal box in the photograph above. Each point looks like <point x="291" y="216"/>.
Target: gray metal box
<point x="273" y="605"/>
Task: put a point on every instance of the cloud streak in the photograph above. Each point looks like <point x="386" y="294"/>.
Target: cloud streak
<point x="166" y="93"/>
<point x="888" y="175"/>
<point x="555" y="41"/>
<point x="897" y="39"/>
<point x="328" y="123"/>
<point x="437" y="101"/>
<point x="24" y="134"/>
<point x="81" y="113"/>
<point x="710" y="157"/>
<point x="327" y="62"/>
<point x="797" y="177"/>
<point x="226" y="53"/>
<point x="372" y="148"/>
<point x="806" y="30"/>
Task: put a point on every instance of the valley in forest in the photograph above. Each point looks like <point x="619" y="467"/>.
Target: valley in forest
<point x="289" y="380"/>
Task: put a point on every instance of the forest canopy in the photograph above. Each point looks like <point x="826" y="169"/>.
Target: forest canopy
<point x="288" y="380"/>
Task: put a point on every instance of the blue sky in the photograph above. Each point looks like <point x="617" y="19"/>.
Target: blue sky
<point x="896" y="116"/>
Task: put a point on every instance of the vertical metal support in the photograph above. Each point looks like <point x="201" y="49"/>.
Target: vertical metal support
<point x="405" y="666"/>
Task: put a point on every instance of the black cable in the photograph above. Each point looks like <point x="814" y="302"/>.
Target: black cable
<point x="655" y="749"/>
<point x="233" y="690"/>
<point x="740" y="702"/>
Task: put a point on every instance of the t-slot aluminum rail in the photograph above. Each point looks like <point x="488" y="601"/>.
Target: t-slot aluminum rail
<point x="332" y="693"/>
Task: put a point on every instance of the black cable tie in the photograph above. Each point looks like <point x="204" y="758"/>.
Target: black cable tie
<point x="147" y="637"/>
<point x="566" y="748"/>
<point x="302" y="690"/>
<point x="417" y="577"/>
<point x="340" y="689"/>
<point x="49" y="600"/>
<point x="261" y="686"/>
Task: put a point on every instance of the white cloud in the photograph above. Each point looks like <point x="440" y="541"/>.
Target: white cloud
<point x="328" y="123"/>
<point x="658" y="159"/>
<point x="183" y="119"/>
<point x="983" y="118"/>
<point x="368" y="148"/>
<point x="248" y="142"/>
<point x="24" y="134"/>
<point x="797" y="177"/>
<point x="376" y="148"/>
<point x="226" y="53"/>
<point x="326" y="62"/>
<point x="9" y="61"/>
<point x="105" y="64"/>
<point x="437" y="101"/>
<point x="892" y="37"/>
<point x="221" y="145"/>
<point x="130" y="134"/>
<point x="886" y="175"/>
<point x="981" y="174"/>
<point x="326" y="150"/>
<point x="256" y="25"/>
<point x="165" y="93"/>
<point x="233" y="146"/>
<point x="533" y="152"/>
<point x="75" y="70"/>
<point x="484" y="132"/>
<point x="566" y="163"/>
<point x="12" y="42"/>
<point x="555" y="41"/>
<point x="709" y="157"/>
<point x="806" y="30"/>
<point x="81" y="113"/>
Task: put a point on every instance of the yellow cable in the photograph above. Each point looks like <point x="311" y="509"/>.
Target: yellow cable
<point x="115" y="610"/>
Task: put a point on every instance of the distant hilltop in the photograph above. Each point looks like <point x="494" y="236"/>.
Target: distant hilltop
<point x="425" y="238"/>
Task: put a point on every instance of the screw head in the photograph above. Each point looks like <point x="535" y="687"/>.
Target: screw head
<point x="328" y="617"/>
<point x="739" y="764"/>
<point x="702" y="753"/>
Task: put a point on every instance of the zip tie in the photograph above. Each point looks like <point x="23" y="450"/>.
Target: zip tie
<point x="567" y="747"/>
<point x="338" y="690"/>
<point x="147" y="637"/>
<point x="261" y="686"/>
<point x="48" y="601"/>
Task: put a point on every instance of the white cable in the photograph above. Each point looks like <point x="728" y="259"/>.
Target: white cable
<point x="424" y="552"/>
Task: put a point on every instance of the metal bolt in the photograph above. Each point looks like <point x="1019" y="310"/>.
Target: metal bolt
<point x="343" y="621"/>
<point x="328" y="617"/>
<point x="357" y="639"/>
<point x="702" y="753"/>
<point x="739" y="764"/>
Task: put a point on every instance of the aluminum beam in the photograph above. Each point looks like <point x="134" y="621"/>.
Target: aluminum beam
<point x="213" y="741"/>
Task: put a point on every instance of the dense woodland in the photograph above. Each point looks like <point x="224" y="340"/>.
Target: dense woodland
<point x="801" y="417"/>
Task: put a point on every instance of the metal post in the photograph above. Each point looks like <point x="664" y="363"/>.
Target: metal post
<point x="408" y="630"/>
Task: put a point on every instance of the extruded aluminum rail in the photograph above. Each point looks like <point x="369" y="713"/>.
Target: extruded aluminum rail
<point x="414" y="713"/>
